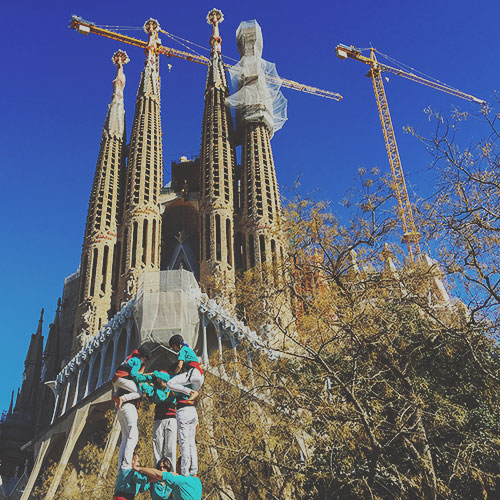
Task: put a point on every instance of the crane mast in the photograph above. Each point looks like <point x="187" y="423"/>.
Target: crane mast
<point x="410" y="234"/>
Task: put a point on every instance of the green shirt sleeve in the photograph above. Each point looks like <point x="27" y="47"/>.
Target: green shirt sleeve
<point x="140" y="377"/>
<point x="182" y="354"/>
<point x="170" y="478"/>
<point x="141" y="481"/>
<point x="160" y="395"/>
<point x="135" y="364"/>
<point x="146" y="389"/>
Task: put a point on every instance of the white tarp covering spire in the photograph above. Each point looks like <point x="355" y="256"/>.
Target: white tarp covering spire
<point x="258" y="98"/>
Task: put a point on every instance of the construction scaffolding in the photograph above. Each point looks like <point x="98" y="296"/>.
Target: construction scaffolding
<point x="258" y="98"/>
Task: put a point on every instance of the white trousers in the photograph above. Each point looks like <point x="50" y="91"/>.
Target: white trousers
<point x="187" y="420"/>
<point x="192" y="377"/>
<point x="128" y="385"/>
<point x="127" y="417"/>
<point x="165" y="440"/>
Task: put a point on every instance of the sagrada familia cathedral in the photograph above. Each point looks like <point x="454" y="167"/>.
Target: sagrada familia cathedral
<point x="150" y="250"/>
<point x="157" y="259"/>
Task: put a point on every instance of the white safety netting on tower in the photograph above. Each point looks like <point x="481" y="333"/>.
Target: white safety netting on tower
<point x="167" y="304"/>
<point x="258" y="98"/>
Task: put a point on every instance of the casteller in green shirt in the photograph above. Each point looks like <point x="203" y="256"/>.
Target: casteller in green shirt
<point x="129" y="483"/>
<point x="183" y="487"/>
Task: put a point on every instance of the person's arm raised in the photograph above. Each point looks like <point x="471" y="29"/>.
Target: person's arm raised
<point x="154" y="474"/>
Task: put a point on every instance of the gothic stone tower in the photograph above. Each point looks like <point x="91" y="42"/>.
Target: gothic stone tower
<point x="99" y="244"/>
<point x="140" y="229"/>
<point x="217" y="270"/>
<point x="19" y="425"/>
<point x="260" y="239"/>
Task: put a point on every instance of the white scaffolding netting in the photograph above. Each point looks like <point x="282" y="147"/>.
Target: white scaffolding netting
<point x="167" y="304"/>
<point x="258" y="98"/>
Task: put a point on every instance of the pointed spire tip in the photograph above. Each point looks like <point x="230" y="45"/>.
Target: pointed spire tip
<point x="120" y="57"/>
<point x="40" y="322"/>
<point x="151" y="25"/>
<point x="215" y="16"/>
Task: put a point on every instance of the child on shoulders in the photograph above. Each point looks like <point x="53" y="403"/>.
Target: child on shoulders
<point x="192" y="372"/>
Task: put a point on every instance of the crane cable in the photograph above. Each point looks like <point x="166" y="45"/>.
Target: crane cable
<point x="405" y="67"/>
<point x="126" y="28"/>
<point x="176" y="38"/>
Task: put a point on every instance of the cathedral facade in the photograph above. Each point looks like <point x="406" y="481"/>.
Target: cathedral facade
<point x="214" y="218"/>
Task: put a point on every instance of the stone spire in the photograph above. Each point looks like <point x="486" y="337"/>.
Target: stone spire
<point x="140" y="230"/>
<point x="26" y="399"/>
<point x="17" y="399"/>
<point x="217" y="171"/>
<point x="216" y="75"/>
<point x="11" y="407"/>
<point x="51" y="353"/>
<point x="50" y="369"/>
<point x="260" y="239"/>
<point x="98" y="262"/>
<point x="40" y="324"/>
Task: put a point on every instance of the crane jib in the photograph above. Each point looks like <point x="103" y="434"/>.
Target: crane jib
<point x="86" y="27"/>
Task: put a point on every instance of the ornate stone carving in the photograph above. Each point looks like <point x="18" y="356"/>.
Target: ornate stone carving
<point x="87" y="316"/>
<point x="130" y="285"/>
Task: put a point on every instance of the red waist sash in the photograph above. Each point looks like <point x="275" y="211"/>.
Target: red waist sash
<point x="124" y="496"/>
<point x="195" y="364"/>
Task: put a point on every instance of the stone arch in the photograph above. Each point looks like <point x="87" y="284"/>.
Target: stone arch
<point x="73" y="381"/>
<point x="121" y="349"/>
<point x="107" y="370"/>
<point x="212" y="339"/>
<point x="60" y="407"/>
<point x="94" y="375"/>
<point x="82" y="389"/>
<point x="134" y="338"/>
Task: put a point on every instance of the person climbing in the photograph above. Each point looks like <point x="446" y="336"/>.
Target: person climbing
<point x="127" y="374"/>
<point x="129" y="482"/>
<point x="165" y="423"/>
<point x="188" y="363"/>
<point x="128" y="394"/>
<point x="183" y="487"/>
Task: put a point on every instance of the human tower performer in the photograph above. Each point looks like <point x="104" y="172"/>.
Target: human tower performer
<point x="174" y="393"/>
<point x="186" y="383"/>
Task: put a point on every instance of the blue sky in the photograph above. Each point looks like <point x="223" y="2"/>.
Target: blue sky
<point x="56" y="85"/>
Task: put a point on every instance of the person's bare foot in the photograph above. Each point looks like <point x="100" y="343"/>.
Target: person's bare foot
<point x="193" y="396"/>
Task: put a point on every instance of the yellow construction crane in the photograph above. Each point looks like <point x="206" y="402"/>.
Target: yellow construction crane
<point x="410" y="234"/>
<point x="87" y="27"/>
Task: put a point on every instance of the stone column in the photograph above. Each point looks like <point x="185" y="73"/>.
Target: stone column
<point x="204" y="355"/>
<point x="77" y="426"/>
<point x="39" y="458"/>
